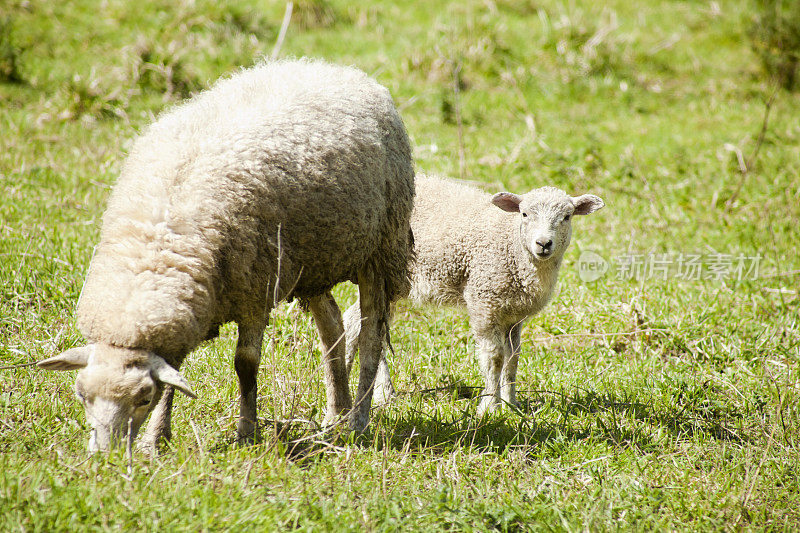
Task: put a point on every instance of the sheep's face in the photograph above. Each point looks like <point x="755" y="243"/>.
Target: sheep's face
<point x="118" y="388"/>
<point x="545" y="218"/>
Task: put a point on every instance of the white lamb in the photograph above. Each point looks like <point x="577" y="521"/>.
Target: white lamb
<point x="279" y="182"/>
<point x="501" y="264"/>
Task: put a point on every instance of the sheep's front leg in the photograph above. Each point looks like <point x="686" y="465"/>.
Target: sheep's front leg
<point x="491" y="355"/>
<point x="374" y="315"/>
<point x="513" y="344"/>
<point x="328" y="318"/>
<point x="159" y="428"/>
<point x="384" y="388"/>
<point x="248" y="355"/>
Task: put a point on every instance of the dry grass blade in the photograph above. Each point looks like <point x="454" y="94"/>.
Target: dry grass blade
<point x="287" y="18"/>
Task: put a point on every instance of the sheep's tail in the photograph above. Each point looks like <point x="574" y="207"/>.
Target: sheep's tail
<point x="395" y="268"/>
<point x="396" y="291"/>
<point x="396" y="252"/>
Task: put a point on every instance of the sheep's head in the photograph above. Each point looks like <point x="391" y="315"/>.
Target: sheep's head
<point x="545" y="218"/>
<point x="118" y="388"/>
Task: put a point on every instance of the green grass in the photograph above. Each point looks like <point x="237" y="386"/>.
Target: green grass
<point x="690" y="424"/>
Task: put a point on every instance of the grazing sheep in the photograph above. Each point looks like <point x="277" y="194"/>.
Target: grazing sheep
<point x="279" y="182"/>
<point x="502" y="267"/>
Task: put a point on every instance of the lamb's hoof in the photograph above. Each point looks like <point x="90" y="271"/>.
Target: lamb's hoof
<point x="488" y="406"/>
<point x="383" y="394"/>
<point x="512" y="403"/>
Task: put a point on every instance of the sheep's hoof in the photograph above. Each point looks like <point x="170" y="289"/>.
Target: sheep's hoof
<point x="333" y="419"/>
<point x="246" y="440"/>
<point x="147" y="448"/>
<point x="359" y="422"/>
<point x="247" y="434"/>
<point x="150" y="445"/>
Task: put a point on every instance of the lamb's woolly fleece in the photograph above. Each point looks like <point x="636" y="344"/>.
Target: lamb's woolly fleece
<point x="497" y="256"/>
<point x="298" y="154"/>
<point x="470" y="252"/>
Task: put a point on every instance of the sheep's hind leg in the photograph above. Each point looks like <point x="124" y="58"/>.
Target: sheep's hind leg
<point x="328" y="318"/>
<point x="375" y="316"/>
<point x="384" y="388"/>
<point x="513" y="341"/>
<point x="491" y="355"/>
<point x="248" y="355"/>
<point x="159" y="428"/>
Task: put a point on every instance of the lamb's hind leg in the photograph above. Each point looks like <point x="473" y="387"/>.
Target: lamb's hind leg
<point x="328" y="318"/>
<point x="509" y="379"/>
<point x="248" y="355"/>
<point x="352" y="329"/>
<point x="384" y="388"/>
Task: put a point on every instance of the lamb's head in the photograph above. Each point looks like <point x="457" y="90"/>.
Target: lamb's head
<point x="118" y="388"/>
<point x="545" y="218"/>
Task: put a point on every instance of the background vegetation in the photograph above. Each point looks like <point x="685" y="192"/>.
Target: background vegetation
<point x="648" y="402"/>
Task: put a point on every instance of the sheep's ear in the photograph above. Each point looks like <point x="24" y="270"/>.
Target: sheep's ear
<point x="507" y="201"/>
<point x="587" y="203"/>
<point x="72" y="359"/>
<point x="167" y="375"/>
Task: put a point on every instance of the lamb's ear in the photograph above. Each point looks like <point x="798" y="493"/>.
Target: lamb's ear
<point x="72" y="359"/>
<point x="166" y="374"/>
<point x="507" y="201"/>
<point x="587" y="203"/>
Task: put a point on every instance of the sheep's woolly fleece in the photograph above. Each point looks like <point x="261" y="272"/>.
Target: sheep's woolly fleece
<point x="209" y="194"/>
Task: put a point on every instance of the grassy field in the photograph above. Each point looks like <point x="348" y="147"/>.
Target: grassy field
<point x="663" y="395"/>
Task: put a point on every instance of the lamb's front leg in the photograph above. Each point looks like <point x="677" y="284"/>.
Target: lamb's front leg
<point x="159" y="428"/>
<point x="248" y="355"/>
<point x="328" y="318"/>
<point x="513" y="340"/>
<point x="491" y="355"/>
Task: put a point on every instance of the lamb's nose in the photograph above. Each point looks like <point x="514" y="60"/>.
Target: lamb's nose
<point x="546" y="246"/>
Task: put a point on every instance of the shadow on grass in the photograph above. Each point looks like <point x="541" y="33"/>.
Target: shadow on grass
<point x="547" y="423"/>
<point x="692" y="416"/>
<point x="552" y="417"/>
<point x="297" y="440"/>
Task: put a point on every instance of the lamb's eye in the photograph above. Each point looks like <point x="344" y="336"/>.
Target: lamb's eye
<point x="524" y="214"/>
